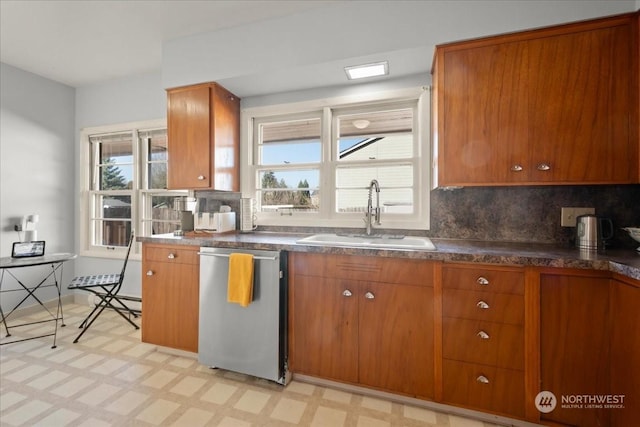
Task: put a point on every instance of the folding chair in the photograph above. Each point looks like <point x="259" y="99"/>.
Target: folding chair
<point x="106" y="287"/>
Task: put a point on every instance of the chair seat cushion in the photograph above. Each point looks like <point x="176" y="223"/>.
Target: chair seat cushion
<point x="94" y="280"/>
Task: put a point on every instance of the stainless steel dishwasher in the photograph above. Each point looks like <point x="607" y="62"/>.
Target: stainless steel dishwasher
<point x="250" y="340"/>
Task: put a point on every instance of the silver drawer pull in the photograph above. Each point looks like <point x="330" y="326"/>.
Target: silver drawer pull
<point x="516" y="168"/>
<point x="483" y="305"/>
<point x="200" y="177"/>
<point x="171" y="256"/>
<point x="544" y="167"/>
<point x="369" y="295"/>
<point x="149" y="273"/>
<point x="483" y="335"/>
<point x="482" y="281"/>
<point x="346" y="293"/>
<point x="482" y="379"/>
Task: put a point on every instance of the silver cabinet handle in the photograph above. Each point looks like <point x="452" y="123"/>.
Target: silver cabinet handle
<point x="482" y="281"/>
<point x="171" y="256"/>
<point x="346" y="293"/>
<point x="200" y="177"/>
<point x="483" y="305"/>
<point x="482" y="379"/>
<point x="483" y="335"/>
<point x="149" y="273"/>
<point x="544" y="167"/>
<point x="369" y="295"/>
<point x="516" y="168"/>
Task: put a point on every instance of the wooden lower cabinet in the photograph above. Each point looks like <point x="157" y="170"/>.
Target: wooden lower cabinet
<point x="324" y="328"/>
<point x="625" y="350"/>
<point x="396" y="338"/>
<point x="170" y="292"/>
<point x="574" y="342"/>
<point x="351" y="322"/>
<point x="482" y="337"/>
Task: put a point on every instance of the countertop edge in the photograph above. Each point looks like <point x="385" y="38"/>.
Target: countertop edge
<point x="626" y="263"/>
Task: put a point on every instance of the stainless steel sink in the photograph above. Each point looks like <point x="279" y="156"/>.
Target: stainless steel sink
<point x="380" y="241"/>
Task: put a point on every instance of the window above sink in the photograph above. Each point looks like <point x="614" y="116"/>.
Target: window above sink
<point x="311" y="164"/>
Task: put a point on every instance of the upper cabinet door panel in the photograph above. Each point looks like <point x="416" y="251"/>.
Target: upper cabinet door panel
<point x="204" y="138"/>
<point x="580" y="106"/>
<point x="484" y="113"/>
<point x="189" y="131"/>
<point x="557" y="105"/>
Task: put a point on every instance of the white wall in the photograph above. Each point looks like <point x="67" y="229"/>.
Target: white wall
<point x="37" y="167"/>
<point x="131" y="99"/>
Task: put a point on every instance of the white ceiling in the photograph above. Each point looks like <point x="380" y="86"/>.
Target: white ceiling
<point x="79" y="43"/>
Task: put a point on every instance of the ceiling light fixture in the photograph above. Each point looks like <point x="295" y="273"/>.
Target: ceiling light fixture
<point x="367" y="70"/>
<point x="361" y="123"/>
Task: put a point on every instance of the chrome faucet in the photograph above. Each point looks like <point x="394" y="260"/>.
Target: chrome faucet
<point x="370" y="210"/>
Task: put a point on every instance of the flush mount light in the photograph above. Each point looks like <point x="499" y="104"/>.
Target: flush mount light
<point x="361" y="123"/>
<point x="367" y="70"/>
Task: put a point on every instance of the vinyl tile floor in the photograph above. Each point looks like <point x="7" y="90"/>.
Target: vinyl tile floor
<point x="111" y="378"/>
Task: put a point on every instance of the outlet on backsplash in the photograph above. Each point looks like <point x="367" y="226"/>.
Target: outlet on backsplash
<point x="569" y="215"/>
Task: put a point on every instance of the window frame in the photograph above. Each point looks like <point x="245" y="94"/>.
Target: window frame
<point x="327" y="215"/>
<point x="141" y="196"/>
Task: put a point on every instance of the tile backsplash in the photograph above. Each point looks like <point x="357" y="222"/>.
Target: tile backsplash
<point x="513" y="214"/>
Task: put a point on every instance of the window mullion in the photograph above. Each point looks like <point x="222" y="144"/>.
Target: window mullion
<point x="327" y="172"/>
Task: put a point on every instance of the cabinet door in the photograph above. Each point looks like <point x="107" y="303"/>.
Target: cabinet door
<point x="625" y="352"/>
<point x="324" y="328"/>
<point x="396" y="338"/>
<point x="574" y="344"/>
<point x="483" y="130"/>
<point x="189" y="133"/>
<point x="170" y="305"/>
<point x="580" y="102"/>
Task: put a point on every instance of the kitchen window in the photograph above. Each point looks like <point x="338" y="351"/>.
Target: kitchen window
<point x="125" y="181"/>
<point x="313" y="168"/>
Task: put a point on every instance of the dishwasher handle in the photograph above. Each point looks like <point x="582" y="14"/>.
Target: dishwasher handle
<point x="227" y="256"/>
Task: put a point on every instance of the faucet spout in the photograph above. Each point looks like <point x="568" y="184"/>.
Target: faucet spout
<point x="370" y="209"/>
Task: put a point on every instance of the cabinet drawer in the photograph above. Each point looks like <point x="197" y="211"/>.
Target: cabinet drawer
<point x="483" y="387"/>
<point x="487" y="306"/>
<point x="171" y="254"/>
<point x="489" y="343"/>
<point x="504" y="280"/>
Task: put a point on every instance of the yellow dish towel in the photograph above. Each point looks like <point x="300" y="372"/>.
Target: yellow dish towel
<point x="240" y="284"/>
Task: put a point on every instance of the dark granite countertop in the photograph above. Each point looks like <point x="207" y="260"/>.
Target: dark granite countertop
<point x="624" y="262"/>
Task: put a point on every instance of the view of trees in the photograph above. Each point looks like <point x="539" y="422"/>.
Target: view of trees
<point x="112" y="178"/>
<point x="300" y="199"/>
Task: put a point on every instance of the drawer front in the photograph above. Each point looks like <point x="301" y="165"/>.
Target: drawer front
<point x="508" y="280"/>
<point x="489" y="343"/>
<point x="482" y="387"/>
<point x="172" y="254"/>
<point x="487" y="306"/>
<point x="372" y="269"/>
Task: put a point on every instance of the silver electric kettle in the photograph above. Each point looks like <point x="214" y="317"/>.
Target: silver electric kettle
<point x="593" y="232"/>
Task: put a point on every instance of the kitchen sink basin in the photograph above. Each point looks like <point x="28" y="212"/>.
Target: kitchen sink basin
<point x="379" y="241"/>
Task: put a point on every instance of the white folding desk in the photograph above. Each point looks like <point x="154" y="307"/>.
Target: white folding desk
<point x="52" y="278"/>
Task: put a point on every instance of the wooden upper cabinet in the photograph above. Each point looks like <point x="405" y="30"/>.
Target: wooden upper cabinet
<point x="557" y="105"/>
<point x="203" y="138"/>
<point x="482" y="131"/>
